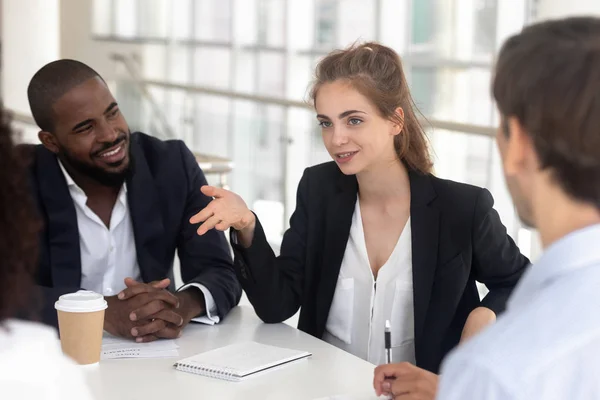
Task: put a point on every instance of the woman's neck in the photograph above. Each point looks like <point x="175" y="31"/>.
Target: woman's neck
<point x="386" y="181"/>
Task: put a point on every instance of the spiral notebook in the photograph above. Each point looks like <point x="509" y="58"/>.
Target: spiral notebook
<point x="239" y="361"/>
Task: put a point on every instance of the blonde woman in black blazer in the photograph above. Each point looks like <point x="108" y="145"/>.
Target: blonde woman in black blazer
<point x="381" y="158"/>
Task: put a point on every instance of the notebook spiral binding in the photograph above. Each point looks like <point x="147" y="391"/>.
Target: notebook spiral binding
<point x="218" y="373"/>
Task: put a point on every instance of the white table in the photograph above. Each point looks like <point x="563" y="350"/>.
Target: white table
<point x="330" y="371"/>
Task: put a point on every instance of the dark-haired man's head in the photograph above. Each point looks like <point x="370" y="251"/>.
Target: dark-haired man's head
<point x="80" y="121"/>
<point x="547" y="87"/>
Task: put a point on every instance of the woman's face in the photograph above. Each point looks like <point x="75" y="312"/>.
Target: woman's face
<point x="356" y="136"/>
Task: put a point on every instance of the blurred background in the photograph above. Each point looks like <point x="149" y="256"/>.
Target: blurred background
<point x="230" y="77"/>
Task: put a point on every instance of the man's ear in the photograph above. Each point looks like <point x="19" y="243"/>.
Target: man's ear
<point x="398" y="123"/>
<point x="518" y="148"/>
<point x="49" y="141"/>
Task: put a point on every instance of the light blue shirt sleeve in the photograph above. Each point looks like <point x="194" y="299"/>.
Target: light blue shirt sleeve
<point x="211" y="316"/>
<point x="463" y="379"/>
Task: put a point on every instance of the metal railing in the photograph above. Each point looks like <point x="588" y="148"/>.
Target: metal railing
<point x="129" y="64"/>
<point x="222" y="165"/>
<point x="210" y="164"/>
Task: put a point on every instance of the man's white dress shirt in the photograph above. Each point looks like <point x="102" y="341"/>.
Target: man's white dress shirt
<point x="108" y="255"/>
<point x="547" y="344"/>
<point x="361" y="304"/>
<point x="32" y="365"/>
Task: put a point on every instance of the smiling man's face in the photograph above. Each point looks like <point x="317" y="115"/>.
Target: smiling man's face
<point x="91" y="135"/>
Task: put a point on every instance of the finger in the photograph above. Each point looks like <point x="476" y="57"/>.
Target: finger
<point x="212" y="191"/>
<point x="384" y="372"/>
<point x="139" y="300"/>
<point x="169" y="316"/>
<point x="146" y="339"/>
<point x="413" y="385"/>
<point x="401" y="389"/>
<point x="133" y="290"/>
<point x="381" y="372"/>
<point x="162" y="284"/>
<point x="147" y="310"/>
<point x="165" y="296"/>
<point x="170" y="332"/>
<point x="203" y="215"/>
<point x="222" y="226"/>
<point x="149" y="328"/>
<point x="154" y="303"/>
<point x="208" y="225"/>
<point x="145" y="288"/>
<point x="131" y="282"/>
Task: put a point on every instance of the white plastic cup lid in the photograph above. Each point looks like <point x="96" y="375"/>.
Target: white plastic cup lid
<point x="81" y="301"/>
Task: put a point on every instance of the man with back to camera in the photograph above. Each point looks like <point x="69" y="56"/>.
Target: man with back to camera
<point x="115" y="206"/>
<point x="547" y="344"/>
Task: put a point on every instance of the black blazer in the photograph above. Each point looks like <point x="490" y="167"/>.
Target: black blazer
<point x="457" y="239"/>
<point x="163" y="193"/>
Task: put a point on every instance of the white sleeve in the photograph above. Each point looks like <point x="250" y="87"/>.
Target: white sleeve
<point x="463" y="379"/>
<point x="211" y="316"/>
<point x="32" y="365"/>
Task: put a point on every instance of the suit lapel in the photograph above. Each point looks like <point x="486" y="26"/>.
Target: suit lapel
<point x="425" y="231"/>
<point x="337" y="231"/>
<point x="146" y="217"/>
<point x="61" y="223"/>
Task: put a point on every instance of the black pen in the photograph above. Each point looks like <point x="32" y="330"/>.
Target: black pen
<point x="388" y="342"/>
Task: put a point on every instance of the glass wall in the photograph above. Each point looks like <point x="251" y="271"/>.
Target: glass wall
<point x="251" y="62"/>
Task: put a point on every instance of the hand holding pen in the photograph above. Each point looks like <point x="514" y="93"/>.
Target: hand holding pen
<point x="403" y="380"/>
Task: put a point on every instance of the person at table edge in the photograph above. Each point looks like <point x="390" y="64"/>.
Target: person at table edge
<point x="32" y="365"/>
<point x="115" y="206"/>
<point x="375" y="235"/>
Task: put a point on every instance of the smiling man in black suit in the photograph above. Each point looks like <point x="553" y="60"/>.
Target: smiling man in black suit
<point x="115" y="206"/>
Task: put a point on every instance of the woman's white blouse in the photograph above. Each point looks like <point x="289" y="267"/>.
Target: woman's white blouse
<point x="361" y="304"/>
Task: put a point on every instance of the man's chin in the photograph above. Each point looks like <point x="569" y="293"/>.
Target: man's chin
<point x="527" y="223"/>
<point x="107" y="174"/>
<point x="113" y="174"/>
<point x="525" y="216"/>
<point x="118" y="166"/>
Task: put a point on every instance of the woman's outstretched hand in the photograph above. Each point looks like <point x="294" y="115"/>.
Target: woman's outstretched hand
<point x="226" y="210"/>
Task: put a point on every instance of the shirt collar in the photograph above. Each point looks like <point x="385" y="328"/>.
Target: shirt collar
<point x="70" y="181"/>
<point x="575" y="251"/>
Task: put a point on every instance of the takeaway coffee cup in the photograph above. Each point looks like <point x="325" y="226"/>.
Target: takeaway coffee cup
<point x="81" y="324"/>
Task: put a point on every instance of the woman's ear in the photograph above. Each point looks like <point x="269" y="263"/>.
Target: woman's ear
<point x="398" y="122"/>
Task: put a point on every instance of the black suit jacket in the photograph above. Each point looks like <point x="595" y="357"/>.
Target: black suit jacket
<point x="457" y="239"/>
<point x="163" y="193"/>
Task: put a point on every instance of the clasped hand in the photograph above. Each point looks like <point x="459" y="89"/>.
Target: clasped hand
<point x="147" y="311"/>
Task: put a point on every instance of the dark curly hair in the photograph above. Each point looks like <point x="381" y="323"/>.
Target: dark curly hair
<point x="19" y="228"/>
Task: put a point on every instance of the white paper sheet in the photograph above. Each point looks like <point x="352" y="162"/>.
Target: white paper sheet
<point x="114" y="347"/>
